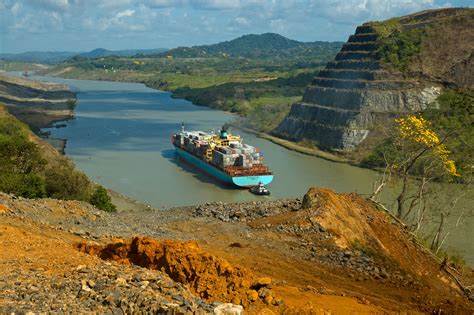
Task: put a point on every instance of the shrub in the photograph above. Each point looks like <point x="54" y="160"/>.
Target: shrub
<point x="101" y="199"/>
<point x="24" y="185"/>
<point x="64" y="182"/>
<point x="399" y="48"/>
<point x="19" y="156"/>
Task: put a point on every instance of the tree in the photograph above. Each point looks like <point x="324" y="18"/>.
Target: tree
<point x="102" y="200"/>
<point x="20" y="156"/>
<point x="415" y="157"/>
<point x="64" y="182"/>
<point x="24" y="185"/>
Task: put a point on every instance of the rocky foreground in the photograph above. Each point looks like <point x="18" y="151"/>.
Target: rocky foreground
<point x="325" y="253"/>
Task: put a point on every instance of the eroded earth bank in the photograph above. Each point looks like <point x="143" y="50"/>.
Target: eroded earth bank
<point x="324" y="253"/>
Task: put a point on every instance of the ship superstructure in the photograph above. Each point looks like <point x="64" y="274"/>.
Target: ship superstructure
<point x="223" y="156"/>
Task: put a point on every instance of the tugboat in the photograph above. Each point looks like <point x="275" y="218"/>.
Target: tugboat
<point x="260" y="190"/>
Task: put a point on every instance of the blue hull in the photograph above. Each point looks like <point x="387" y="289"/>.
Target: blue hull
<point x="241" y="181"/>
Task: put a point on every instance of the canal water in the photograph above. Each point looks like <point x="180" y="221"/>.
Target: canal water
<point x="121" y="139"/>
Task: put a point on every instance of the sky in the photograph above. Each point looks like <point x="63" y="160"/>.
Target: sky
<point x="82" y="25"/>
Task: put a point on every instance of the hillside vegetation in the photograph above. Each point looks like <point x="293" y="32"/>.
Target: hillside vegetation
<point x="54" y="57"/>
<point x="436" y="45"/>
<point x="253" y="46"/>
<point x="31" y="168"/>
<point x="256" y="76"/>
<point x="452" y="118"/>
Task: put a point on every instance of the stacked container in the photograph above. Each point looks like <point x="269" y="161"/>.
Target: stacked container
<point x="230" y="155"/>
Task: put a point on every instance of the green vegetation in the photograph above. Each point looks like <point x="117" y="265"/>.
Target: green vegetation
<point x="424" y="154"/>
<point x="20" y="160"/>
<point x="264" y="46"/>
<point x="397" y="46"/>
<point x="71" y="104"/>
<point x="260" y="90"/>
<point x="255" y="76"/>
<point x="401" y="46"/>
<point x="265" y="103"/>
<point x="452" y="118"/>
<point x="402" y="39"/>
<point x="24" y="185"/>
<point x="64" y="182"/>
<point x="102" y="200"/>
<point x="385" y="28"/>
<point x="11" y="65"/>
<point x="28" y="172"/>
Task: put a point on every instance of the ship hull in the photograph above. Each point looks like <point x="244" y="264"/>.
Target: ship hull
<point x="240" y="181"/>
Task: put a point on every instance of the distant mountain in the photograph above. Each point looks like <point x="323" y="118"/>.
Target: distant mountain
<point x="40" y="56"/>
<point x="52" y="57"/>
<point x="101" y="52"/>
<point x="256" y="46"/>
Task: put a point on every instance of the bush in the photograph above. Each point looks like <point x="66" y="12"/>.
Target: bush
<point x="64" y="182"/>
<point x="24" y="185"/>
<point x="23" y="171"/>
<point x="383" y="153"/>
<point x="399" y="48"/>
<point x="101" y="199"/>
<point x="19" y="156"/>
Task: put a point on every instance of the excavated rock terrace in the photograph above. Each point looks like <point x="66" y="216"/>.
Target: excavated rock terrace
<point x="356" y="92"/>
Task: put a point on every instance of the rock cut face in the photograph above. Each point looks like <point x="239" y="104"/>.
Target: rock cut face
<point x="351" y="95"/>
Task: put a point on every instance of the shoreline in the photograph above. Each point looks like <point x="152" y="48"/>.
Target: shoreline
<point x="125" y="203"/>
<point x="290" y="145"/>
<point x="293" y="146"/>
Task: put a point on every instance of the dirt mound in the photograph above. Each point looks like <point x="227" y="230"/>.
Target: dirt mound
<point x="346" y="216"/>
<point x="356" y="223"/>
<point x="210" y="277"/>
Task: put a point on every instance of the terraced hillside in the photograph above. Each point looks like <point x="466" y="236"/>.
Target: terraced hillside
<point x="376" y="77"/>
<point x="37" y="104"/>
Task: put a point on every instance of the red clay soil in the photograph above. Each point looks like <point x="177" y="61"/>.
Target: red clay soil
<point x="210" y="277"/>
<point x="355" y="222"/>
<point x="355" y="225"/>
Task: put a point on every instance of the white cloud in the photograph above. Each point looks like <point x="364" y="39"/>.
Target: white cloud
<point x="98" y="23"/>
<point x="16" y="8"/>
<point x="242" y="21"/>
<point x="125" y="13"/>
<point x="356" y="11"/>
<point x="31" y="23"/>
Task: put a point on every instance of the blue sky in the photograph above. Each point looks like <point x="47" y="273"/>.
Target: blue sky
<point x="82" y="25"/>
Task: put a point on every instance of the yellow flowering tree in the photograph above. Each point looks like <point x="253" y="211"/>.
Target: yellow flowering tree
<point x="417" y="156"/>
<point x="421" y="156"/>
<point x="417" y="130"/>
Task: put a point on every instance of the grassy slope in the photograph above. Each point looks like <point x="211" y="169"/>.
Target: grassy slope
<point x="427" y="43"/>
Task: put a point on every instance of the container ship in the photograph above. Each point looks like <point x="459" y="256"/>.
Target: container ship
<point x="223" y="156"/>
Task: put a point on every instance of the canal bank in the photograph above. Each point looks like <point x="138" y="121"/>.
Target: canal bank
<point x="121" y="139"/>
